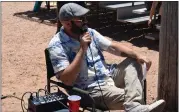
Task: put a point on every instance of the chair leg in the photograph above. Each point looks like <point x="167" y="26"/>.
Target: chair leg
<point x="58" y="22"/>
<point x="83" y="110"/>
<point x="145" y="91"/>
<point x="48" y="5"/>
<point x="48" y="85"/>
<point x="37" y="6"/>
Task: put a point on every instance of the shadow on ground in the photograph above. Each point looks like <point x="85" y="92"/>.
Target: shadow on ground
<point x="136" y="36"/>
<point x="42" y="16"/>
<point x="105" y="24"/>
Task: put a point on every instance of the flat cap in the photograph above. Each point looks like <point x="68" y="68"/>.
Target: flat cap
<point x="70" y="10"/>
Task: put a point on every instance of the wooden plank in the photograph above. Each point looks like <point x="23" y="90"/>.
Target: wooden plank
<point x="116" y="6"/>
<point x="168" y="57"/>
<point x="139" y="3"/>
<point x="122" y="5"/>
<point x="140" y="11"/>
<point x="158" y="26"/>
<point x="126" y="12"/>
<point x="152" y="36"/>
<point x="137" y="20"/>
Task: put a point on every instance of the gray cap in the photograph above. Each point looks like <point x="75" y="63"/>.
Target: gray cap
<point x="71" y="10"/>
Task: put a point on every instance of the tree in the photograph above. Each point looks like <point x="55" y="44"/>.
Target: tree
<point x="168" y="57"/>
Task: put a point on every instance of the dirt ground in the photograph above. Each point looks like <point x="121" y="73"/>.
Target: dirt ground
<point x="23" y="60"/>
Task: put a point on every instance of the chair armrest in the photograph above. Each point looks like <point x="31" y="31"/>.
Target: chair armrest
<point x="70" y="88"/>
<point x="80" y="91"/>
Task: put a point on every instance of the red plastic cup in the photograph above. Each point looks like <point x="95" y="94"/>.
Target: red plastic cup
<point x="74" y="103"/>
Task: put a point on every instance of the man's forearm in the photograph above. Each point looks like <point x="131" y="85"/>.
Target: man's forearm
<point x="130" y="53"/>
<point x="153" y="8"/>
<point x="118" y="48"/>
<point x="69" y="75"/>
<point x="126" y="52"/>
<point x="123" y="50"/>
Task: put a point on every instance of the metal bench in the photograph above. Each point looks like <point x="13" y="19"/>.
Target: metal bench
<point x="119" y="4"/>
<point x="133" y="12"/>
<point x="135" y="20"/>
<point x="152" y="36"/>
<point x="141" y="11"/>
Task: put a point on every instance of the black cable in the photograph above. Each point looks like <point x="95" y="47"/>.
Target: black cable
<point x="93" y="105"/>
<point x="45" y="88"/>
<point x="39" y="92"/>
<point x="97" y="80"/>
<point x="77" y="90"/>
<point x="3" y="97"/>
<point x="22" y="100"/>
<point x="54" y="98"/>
<point x="35" y="94"/>
<point x="7" y="96"/>
<point x="51" y="86"/>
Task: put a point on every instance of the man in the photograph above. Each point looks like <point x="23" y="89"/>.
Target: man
<point x="76" y="56"/>
<point x="60" y="4"/>
<point x="156" y="6"/>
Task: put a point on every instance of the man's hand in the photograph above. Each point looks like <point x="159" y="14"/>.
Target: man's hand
<point x="149" y="22"/>
<point x="127" y="52"/>
<point x="142" y="59"/>
<point x="85" y="40"/>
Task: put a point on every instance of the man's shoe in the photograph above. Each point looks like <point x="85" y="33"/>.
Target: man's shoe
<point x="157" y="106"/>
<point x="140" y="108"/>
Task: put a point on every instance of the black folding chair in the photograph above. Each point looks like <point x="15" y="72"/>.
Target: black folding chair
<point x="87" y="102"/>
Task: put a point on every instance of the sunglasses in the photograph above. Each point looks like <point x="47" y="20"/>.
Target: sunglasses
<point x="82" y="19"/>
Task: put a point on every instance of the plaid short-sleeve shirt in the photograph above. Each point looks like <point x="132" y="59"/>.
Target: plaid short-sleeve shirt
<point x="63" y="50"/>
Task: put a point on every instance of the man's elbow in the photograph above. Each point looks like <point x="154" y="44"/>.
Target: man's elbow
<point x="65" y="81"/>
<point x="68" y="83"/>
<point x="65" y="78"/>
<point x="123" y="54"/>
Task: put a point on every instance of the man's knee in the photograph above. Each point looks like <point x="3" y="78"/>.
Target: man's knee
<point x="130" y="61"/>
<point x="131" y="66"/>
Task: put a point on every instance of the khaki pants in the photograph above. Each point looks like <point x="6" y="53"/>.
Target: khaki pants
<point x="123" y="89"/>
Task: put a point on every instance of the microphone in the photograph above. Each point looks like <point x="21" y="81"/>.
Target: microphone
<point x="84" y="30"/>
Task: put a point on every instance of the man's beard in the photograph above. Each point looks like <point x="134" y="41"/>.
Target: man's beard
<point x="78" y="30"/>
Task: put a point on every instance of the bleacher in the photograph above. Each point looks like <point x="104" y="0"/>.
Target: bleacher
<point x="134" y="12"/>
<point x="129" y="11"/>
